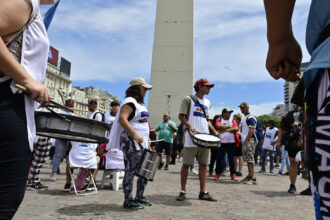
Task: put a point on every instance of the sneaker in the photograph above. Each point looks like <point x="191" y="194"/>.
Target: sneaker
<point x="160" y="166"/>
<point x="206" y="196"/>
<point x="67" y="187"/>
<point x="172" y="162"/>
<point x="287" y="173"/>
<point x="251" y="181"/>
<point x="58" y="171"/>
<point x="210" y="172"/>
<point x="261" y="171"/>
<point x="166" y="167"/>
<point x="233" y="177"/>
<point x="91" y="187"/>
<point x="271" y="171"/>
<point x="181" y="197"/>
<point x="143" y="201"/>
<point x="292" y="188"/>
<point x="132" y="205"/>
<point x="247" y="178"/>
<point x="279" y="172"/>
<point x="277" y="166"/>
<point x="39" y="185"/>
<point x="306" y="192"/>
<point x="193" y="171"/>
<point x="217" y="176"/>
<point x="238" y="174"/>
<point x="53" y="177"/>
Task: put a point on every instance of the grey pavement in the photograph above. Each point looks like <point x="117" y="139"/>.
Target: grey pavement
<point x="267" y="200"/>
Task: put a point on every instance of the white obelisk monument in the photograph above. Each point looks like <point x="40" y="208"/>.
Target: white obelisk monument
<point x="172" y="59"/>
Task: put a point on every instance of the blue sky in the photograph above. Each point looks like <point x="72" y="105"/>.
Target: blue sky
<point x="109" y="42"/>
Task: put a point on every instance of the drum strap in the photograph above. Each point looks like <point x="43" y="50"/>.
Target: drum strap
<point x="197" y="102"/>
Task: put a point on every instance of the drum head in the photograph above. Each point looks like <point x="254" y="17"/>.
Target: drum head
<point x="207" y="137"/>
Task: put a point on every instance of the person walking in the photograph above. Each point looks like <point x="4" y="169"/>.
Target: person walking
<point x="166" y="130"/>
<point x="238" y="150"/>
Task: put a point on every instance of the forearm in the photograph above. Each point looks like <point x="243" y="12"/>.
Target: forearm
<point x="250" y="134"/>
<point x="127" y="126"/>
<point x="183" y="119"/>
<point x="279" y="14"/>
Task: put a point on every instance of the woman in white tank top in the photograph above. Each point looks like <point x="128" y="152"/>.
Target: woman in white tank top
<point x="24" y="50"/>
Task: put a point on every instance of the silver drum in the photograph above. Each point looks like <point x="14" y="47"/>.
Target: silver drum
<point x="148" y="165"/>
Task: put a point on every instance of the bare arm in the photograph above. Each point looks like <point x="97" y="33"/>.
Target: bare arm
<point x="125" y="112"/>
<point x="250" y="134"/>
<point x="284" y="53"/>
<point x="14" y="15"/>
<point x="279" y="138"/>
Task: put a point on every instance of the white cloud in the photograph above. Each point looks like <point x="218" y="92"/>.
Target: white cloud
<point x="260" y="109"/>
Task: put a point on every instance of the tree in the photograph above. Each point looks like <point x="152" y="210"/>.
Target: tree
<point x="264" y="118"/>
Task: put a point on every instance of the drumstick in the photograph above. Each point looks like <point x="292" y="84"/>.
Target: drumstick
<point x="155" y="141"/>
<point x="22" y="88"/>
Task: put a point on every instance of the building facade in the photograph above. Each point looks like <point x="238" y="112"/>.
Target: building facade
<point x="278" y="111"/>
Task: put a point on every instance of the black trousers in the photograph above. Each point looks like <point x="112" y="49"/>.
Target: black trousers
<point x="15" y="154"/>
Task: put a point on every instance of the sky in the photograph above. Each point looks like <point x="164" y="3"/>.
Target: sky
<point x="110" y="41"/>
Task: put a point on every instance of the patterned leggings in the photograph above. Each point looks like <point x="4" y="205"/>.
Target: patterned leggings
<point x="40" y="152"/>
<point x="132" y="157"/>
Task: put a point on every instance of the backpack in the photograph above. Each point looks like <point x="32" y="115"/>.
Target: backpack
<point x="258" y="130"/>
<point x="179" y="140"/>
<point x="215" y="119"/>
<point x="103" y="117"/>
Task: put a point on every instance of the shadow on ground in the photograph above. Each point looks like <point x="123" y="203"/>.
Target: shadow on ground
<point x="274" y="193"/>
<point x="167" y="200"/>
<point x="91" y="209"/>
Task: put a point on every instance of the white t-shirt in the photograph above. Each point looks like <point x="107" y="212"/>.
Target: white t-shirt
<point x="139" y="123"/>
<point x="197" y="119"/>
<point x="83" y="155"/>
<point x="269" y="138"/>
<point x="227" y="137"/>
<point x="98" y="116"/>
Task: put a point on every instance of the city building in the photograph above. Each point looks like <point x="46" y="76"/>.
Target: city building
<point x="278" y="111"/>
<point x="289" y="88"/>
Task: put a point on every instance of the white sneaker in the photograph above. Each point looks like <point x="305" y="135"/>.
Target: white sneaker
<point x="193" y="171"/>
<point x="53" y="177"/>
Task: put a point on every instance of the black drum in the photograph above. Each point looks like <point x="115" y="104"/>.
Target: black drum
<point x="148" y="165"/>
<point x="70" y="127"/>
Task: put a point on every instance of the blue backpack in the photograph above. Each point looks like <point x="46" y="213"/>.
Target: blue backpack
<point x="258" y="130"/>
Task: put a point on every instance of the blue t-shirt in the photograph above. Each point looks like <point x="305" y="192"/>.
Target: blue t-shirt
<point x="318" y="19"/>
<point x="165" y="132"/>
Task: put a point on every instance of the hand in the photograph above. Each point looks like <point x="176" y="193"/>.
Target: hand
<point x="246" y="141"/>
<point x="138" y="138"/>
<point x="217" y="134"/>
<point x="170" y="125"/>
<point x="284" y="59"/>
<point x="37" y="91"/>
<point x="191" y="130"/>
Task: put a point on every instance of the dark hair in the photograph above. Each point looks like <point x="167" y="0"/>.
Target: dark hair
<point x="134" y="92"/>
<point x="196" y="88"/>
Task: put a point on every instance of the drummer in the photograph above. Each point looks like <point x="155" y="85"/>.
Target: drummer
<point x="130" y="131"/>
<point x="23" y="60"/>
<point x="195" y="120"/>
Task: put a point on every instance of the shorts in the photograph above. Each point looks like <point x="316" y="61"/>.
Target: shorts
<point x="292" y="151"/>
<point x="249" y="150"/>
<point x="163" y="145"/>
<point x="238" y="151"/>
<point x="202" y="155"/>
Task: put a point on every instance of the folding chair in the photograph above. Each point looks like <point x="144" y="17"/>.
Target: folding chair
<point x="78" y="192"/>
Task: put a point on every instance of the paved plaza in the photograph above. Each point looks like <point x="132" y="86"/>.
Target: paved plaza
<point x="267" y="200"/>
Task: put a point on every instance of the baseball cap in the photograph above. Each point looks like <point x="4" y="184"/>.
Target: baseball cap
<point x="225" y="110"/>
<point x="139" y="81"/>
<point x="115" y="102"/>
<point x="244" y="105"/>
<point x="92" y="102"/>
<point x="203" y="82"/>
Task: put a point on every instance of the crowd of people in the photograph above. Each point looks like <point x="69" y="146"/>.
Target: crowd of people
<point x="24" y="48"/>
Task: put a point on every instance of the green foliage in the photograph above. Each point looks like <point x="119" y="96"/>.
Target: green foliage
<point x="265" y="118"/>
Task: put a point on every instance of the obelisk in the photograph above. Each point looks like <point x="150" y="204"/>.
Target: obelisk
<point x="172" y="58"/>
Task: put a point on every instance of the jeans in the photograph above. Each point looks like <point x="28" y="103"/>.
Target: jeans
<point x="284" y="160"/>
<point x="60" y="150"/>
<point x="263" y="159"/>
<point x="221" y="155"/>
<point x="15" y="154"/>
<point x="212" y="159"/>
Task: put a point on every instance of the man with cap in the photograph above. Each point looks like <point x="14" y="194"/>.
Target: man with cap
<point x="249" y="142"/>
<point x="227" y="129"/>
<point x="194" y="115"/>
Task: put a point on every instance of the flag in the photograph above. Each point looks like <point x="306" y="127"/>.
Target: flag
<point x="50" y="14"/>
